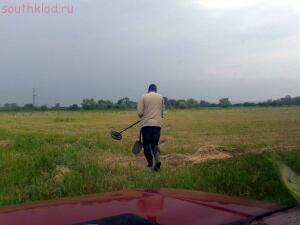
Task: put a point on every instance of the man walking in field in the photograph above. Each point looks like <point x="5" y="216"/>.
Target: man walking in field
<point x="150" y="110"/>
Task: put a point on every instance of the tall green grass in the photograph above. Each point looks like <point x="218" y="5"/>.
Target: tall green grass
<point x="57" y="154"/>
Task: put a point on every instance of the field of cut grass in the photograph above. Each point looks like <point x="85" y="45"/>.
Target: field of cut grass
<point x="47" y="155"/>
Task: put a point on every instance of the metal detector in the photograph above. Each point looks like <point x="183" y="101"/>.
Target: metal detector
<point x="118" y="135"/>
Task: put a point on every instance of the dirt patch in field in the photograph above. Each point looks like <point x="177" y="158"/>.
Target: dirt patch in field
<point x="60" y="172"/>
<point x="203" y="154"/>
<point x="285" y="147"/>
<point x="6" y="143"/>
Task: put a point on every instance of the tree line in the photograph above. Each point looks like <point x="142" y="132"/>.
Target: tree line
<point x="126" y="103"/>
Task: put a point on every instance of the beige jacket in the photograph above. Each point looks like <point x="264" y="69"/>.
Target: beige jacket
<point x="150" y="109"/>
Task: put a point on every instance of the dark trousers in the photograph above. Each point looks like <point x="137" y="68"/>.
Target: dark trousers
<point x="151" y="137"/>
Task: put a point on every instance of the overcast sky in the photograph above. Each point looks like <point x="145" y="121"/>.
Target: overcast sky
<point x="204" y="49"/>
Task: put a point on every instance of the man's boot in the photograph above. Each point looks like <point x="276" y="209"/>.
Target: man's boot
<point x="157" y="158"/>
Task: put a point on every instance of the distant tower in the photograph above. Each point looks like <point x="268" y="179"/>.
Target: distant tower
<point x="33" y="97"/>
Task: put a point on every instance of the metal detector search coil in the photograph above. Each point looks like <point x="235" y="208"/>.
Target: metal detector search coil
<point x="118" y="135"/>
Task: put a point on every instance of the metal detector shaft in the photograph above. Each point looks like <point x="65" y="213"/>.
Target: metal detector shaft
<point x="130" y="126"/>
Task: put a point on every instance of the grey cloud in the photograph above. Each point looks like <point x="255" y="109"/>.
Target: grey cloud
<point x="110" y="49"/>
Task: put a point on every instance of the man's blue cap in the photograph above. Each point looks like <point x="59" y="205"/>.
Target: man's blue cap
<point x="152" y="87"/>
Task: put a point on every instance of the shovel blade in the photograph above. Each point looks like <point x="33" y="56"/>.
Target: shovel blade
<point x="137" y="147"/>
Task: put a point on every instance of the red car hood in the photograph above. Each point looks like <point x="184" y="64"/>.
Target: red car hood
<point x="163" y="206"/>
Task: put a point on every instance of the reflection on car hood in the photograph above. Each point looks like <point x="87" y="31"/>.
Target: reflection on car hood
<point x="162" y="206"/>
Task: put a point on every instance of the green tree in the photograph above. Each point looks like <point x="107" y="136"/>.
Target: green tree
<point x="57" y="106"/>
<point x="102" y="104"/>
<point x="109" y="104"/>
<point x="192" y="103"/>
<point x="169" y="103"/>
<point x="287" y="100"/>
<point x="204" y="103"/>
<point x="181" y="104"/>
<point x="88" y="104"/>
<point x="166" y="102"/>
<point x="73" y="107"/>
<point x="11" y="106"/>
<point x="224" y="102"/>
<point x="125" y="103"/>
<point x="28" y="107"/>
<point x="44" y="108"/>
